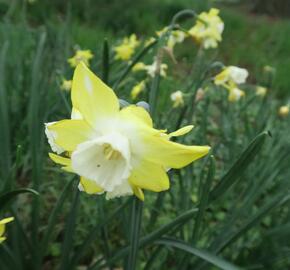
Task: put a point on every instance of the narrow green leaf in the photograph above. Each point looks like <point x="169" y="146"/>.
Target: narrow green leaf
<point x="205" y="255"/>
<point x="7" y="197"/>
<point x="235" y="172"/>
<point x="69" y="232"/>
<point x="106" y="60"/>
<point x="136" y="218"/>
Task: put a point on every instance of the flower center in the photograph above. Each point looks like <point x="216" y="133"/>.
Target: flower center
<point x="110" y="153"/>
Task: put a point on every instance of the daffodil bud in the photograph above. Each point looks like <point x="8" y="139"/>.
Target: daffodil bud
<point x="284" y="111"/>
<point x="144" y="105"/>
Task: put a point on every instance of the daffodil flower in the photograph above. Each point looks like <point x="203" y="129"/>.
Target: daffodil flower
<point x="230" y="77"/>
<point x="284" y="111"/>
<point x="3" y="223"/>
<point x="261" y="91"/>
<point x="175" y="37"/>
<point x="177" y="98"/>
<point x="115" y="151"/>
<point x="126" y="49"/>
<point x="80" y="56"/>
<point x="208" y="29"/>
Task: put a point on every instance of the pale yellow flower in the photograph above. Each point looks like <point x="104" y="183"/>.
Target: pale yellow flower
<point x="235" y="94"/>
<point x="284" y="111"/>
<point x="153" y="69"/>
<point x="177" y="98"/>
<point x="66" y="85"/>
<point x="231" y="74"/>
<point x="137" y="89"/>
<point x="176" y="36"/>
<point x="3" y="223"/>
<point x="139" y="66"/>
<point x="261" y="91"/>
<point x="80" y="56"/>
<point x="126" y="49"/>
<point x="208" y="29"/>
<point x="116" y="150"/>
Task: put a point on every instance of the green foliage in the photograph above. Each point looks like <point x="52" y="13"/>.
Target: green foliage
<point x="231" y="208"/>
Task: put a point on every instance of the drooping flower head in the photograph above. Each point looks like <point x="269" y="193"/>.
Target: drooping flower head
<point x="175" y="37"/>
<point x="3" y="223"/>
<point x="115" y="151"/>
<point x="208" y="29"/>
<point x="230" y="77"/>
<point x="80" y="56"/>
<point x="284" y="111"/>
<point x="126" y="49"/>
<point x="153" y="69"/>
<point x="261" y="91"/>
<point x="177" y="98"/>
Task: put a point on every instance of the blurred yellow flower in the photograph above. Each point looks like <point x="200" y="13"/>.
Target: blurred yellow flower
<point x="284" y="110"/>
<point x="155" y="68"/>
<point x="80" y="56"/>
<point x="208" y="29"/>
<point x="261" y="91"/>
<point x="177" y="98"/>
<point x="176" y="36"/>
<point x="3" y="223"/>
<point x="229" y="78"/>
<point x="138" y="66"/>
<point x="66" y="85"/>
<point x="137" y="89"/>
<point x="231" y="74"/>
<point x="116" y="151"/>
<point x="126" y="49"/>
<point x="235" y="94"/>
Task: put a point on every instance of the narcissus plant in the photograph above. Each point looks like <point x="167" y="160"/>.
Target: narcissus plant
<point x="115" y="151"/>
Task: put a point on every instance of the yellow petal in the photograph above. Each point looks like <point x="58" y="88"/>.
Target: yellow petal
<point x="138" y="193"/>
<point x="91" y="97"/>
<point x="90" y="186"/>
<point x="171" y="154"/>
<point x="2" y="239"/>
<point x="150" y="176"/>
<point x="181" y="131"/>
<point x="66" y="162"/>
<point x="70" y="133"/>
<point x="6" y="220"/>
<point x="137" y="113"/>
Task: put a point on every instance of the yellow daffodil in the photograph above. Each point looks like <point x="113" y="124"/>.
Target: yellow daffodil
<point x="153" y="70"/>
<point x="80" y="56"/>
<point x="137" y="89"/>
<point x="235" y="94"/>
<point x="284" y="110"/>
<point x="229" y="78"/>
<point x="261" y="91"/>
<point x="176" y="36"/>
<point x="232" y="74"/>
<point x="66" y="85"/>
<point x="139" y="66"/>
<point x="177" y="98"/>
<point x="115" y="151"/>
<point x="208" y="29"/>
<point x="3" y="223"/>
<point x="127" y="48"/>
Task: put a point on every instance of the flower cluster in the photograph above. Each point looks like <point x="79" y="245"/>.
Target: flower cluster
<point x="208" y="29"/>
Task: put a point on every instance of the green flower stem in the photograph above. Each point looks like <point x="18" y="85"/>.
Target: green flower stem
<point x="136" y="216"/>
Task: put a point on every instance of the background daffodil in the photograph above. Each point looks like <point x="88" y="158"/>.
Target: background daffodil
<point x="80" y="56"/>
<point x="3" y="223"/>
<point x="115" y="151"/>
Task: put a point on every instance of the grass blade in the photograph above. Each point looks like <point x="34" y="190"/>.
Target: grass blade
<point x="205" y="255"/>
